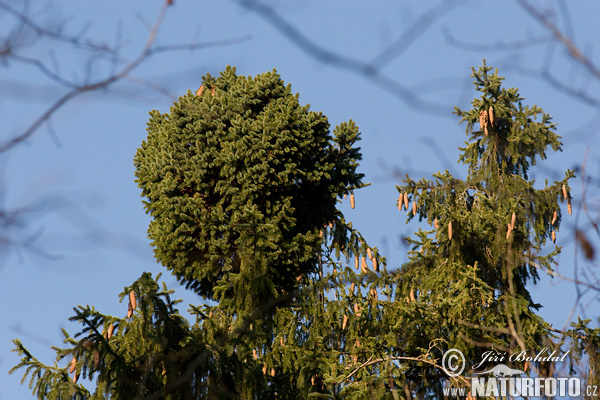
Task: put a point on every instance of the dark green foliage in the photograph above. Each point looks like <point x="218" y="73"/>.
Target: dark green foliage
<point x="476" y="277"/>
<point x="239" y="170"/>
<point x="140" y="356"/>
<point x="241" y="185"/>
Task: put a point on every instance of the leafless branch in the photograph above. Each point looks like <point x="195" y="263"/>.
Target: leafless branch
<point x="78" y="89"/>
<point x="572" y="49"/>
<point x="409" y="36"/>
<point x="592" y="286"/>
<point x="13" y="223"/>
<point x="554" y="37"/>
<point x="584" y="182"/>
<point x="496" y="46"/>
<point x="368" y="70"/>
<point x="553" y="81"/>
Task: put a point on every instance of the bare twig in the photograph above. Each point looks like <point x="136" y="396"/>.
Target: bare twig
<point x="368" y="70"/>
<point x="496" y="46"/>
<point x="409" y="36"/>
<point x="76" y="89"/>
<point x="573" y="50"/>
<point x="553" y="81"/>
<point x="595" y="286"/>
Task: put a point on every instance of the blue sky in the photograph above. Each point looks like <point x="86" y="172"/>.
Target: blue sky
<point x="78" y="175"/>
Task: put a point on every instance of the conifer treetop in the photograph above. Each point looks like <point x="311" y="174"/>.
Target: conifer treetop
<point x="240" y="172"/>
<point x="489" y="231"/>
<point x="510" y="136"/>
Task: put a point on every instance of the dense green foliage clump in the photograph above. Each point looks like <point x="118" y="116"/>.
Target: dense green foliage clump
<point x="242" y="168"/>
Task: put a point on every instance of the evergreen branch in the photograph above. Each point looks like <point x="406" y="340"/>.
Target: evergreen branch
<point x="488" y="345"/>
<point x="565" y="333"/>
<point x="503" y="331"/>
<point x="232" y="338"/>
<point x="46" y="380"/>
<point x="422" y="359"/>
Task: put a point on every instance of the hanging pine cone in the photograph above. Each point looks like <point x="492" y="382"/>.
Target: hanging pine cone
<point x="200" y="91"/>
<point x="450" y="230"/>
<point x="72" y="365"/>
<point x="96" y="359"/>
<point x="363" y="265"/>
<point x="111" y="329"/>
<point x="356" y="261"/>
<point x="344" y="322"/>
<point x="491" y="115"/>
<point x="481" y="123"/>
<point x="512" y="221"/>
<point x="400" y="201"/>
<point x="369" y="253"/>
<point x="374" y="294"/>
<point x="406" y="200"/>
<point x="132" y="300"/>
<point x="553" y="236"/>
<point x="569" y="207"/>
<point x="414" y="208"/>
<point x="554" y="216"/>
<point x="352" y="203"/>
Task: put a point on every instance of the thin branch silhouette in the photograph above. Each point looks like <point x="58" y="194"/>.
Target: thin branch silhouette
<point x="371" y="71"/>
<point x="87" y="86"/>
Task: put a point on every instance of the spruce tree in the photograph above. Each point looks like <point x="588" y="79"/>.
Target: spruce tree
<point x="241" y="169"/>
<point x="242" y="182"/>
<point x="469" y="275"/>
<point x="239" y="179"/>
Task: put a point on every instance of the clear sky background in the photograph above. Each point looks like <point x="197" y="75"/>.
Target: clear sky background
<point x="86" y="228"/>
